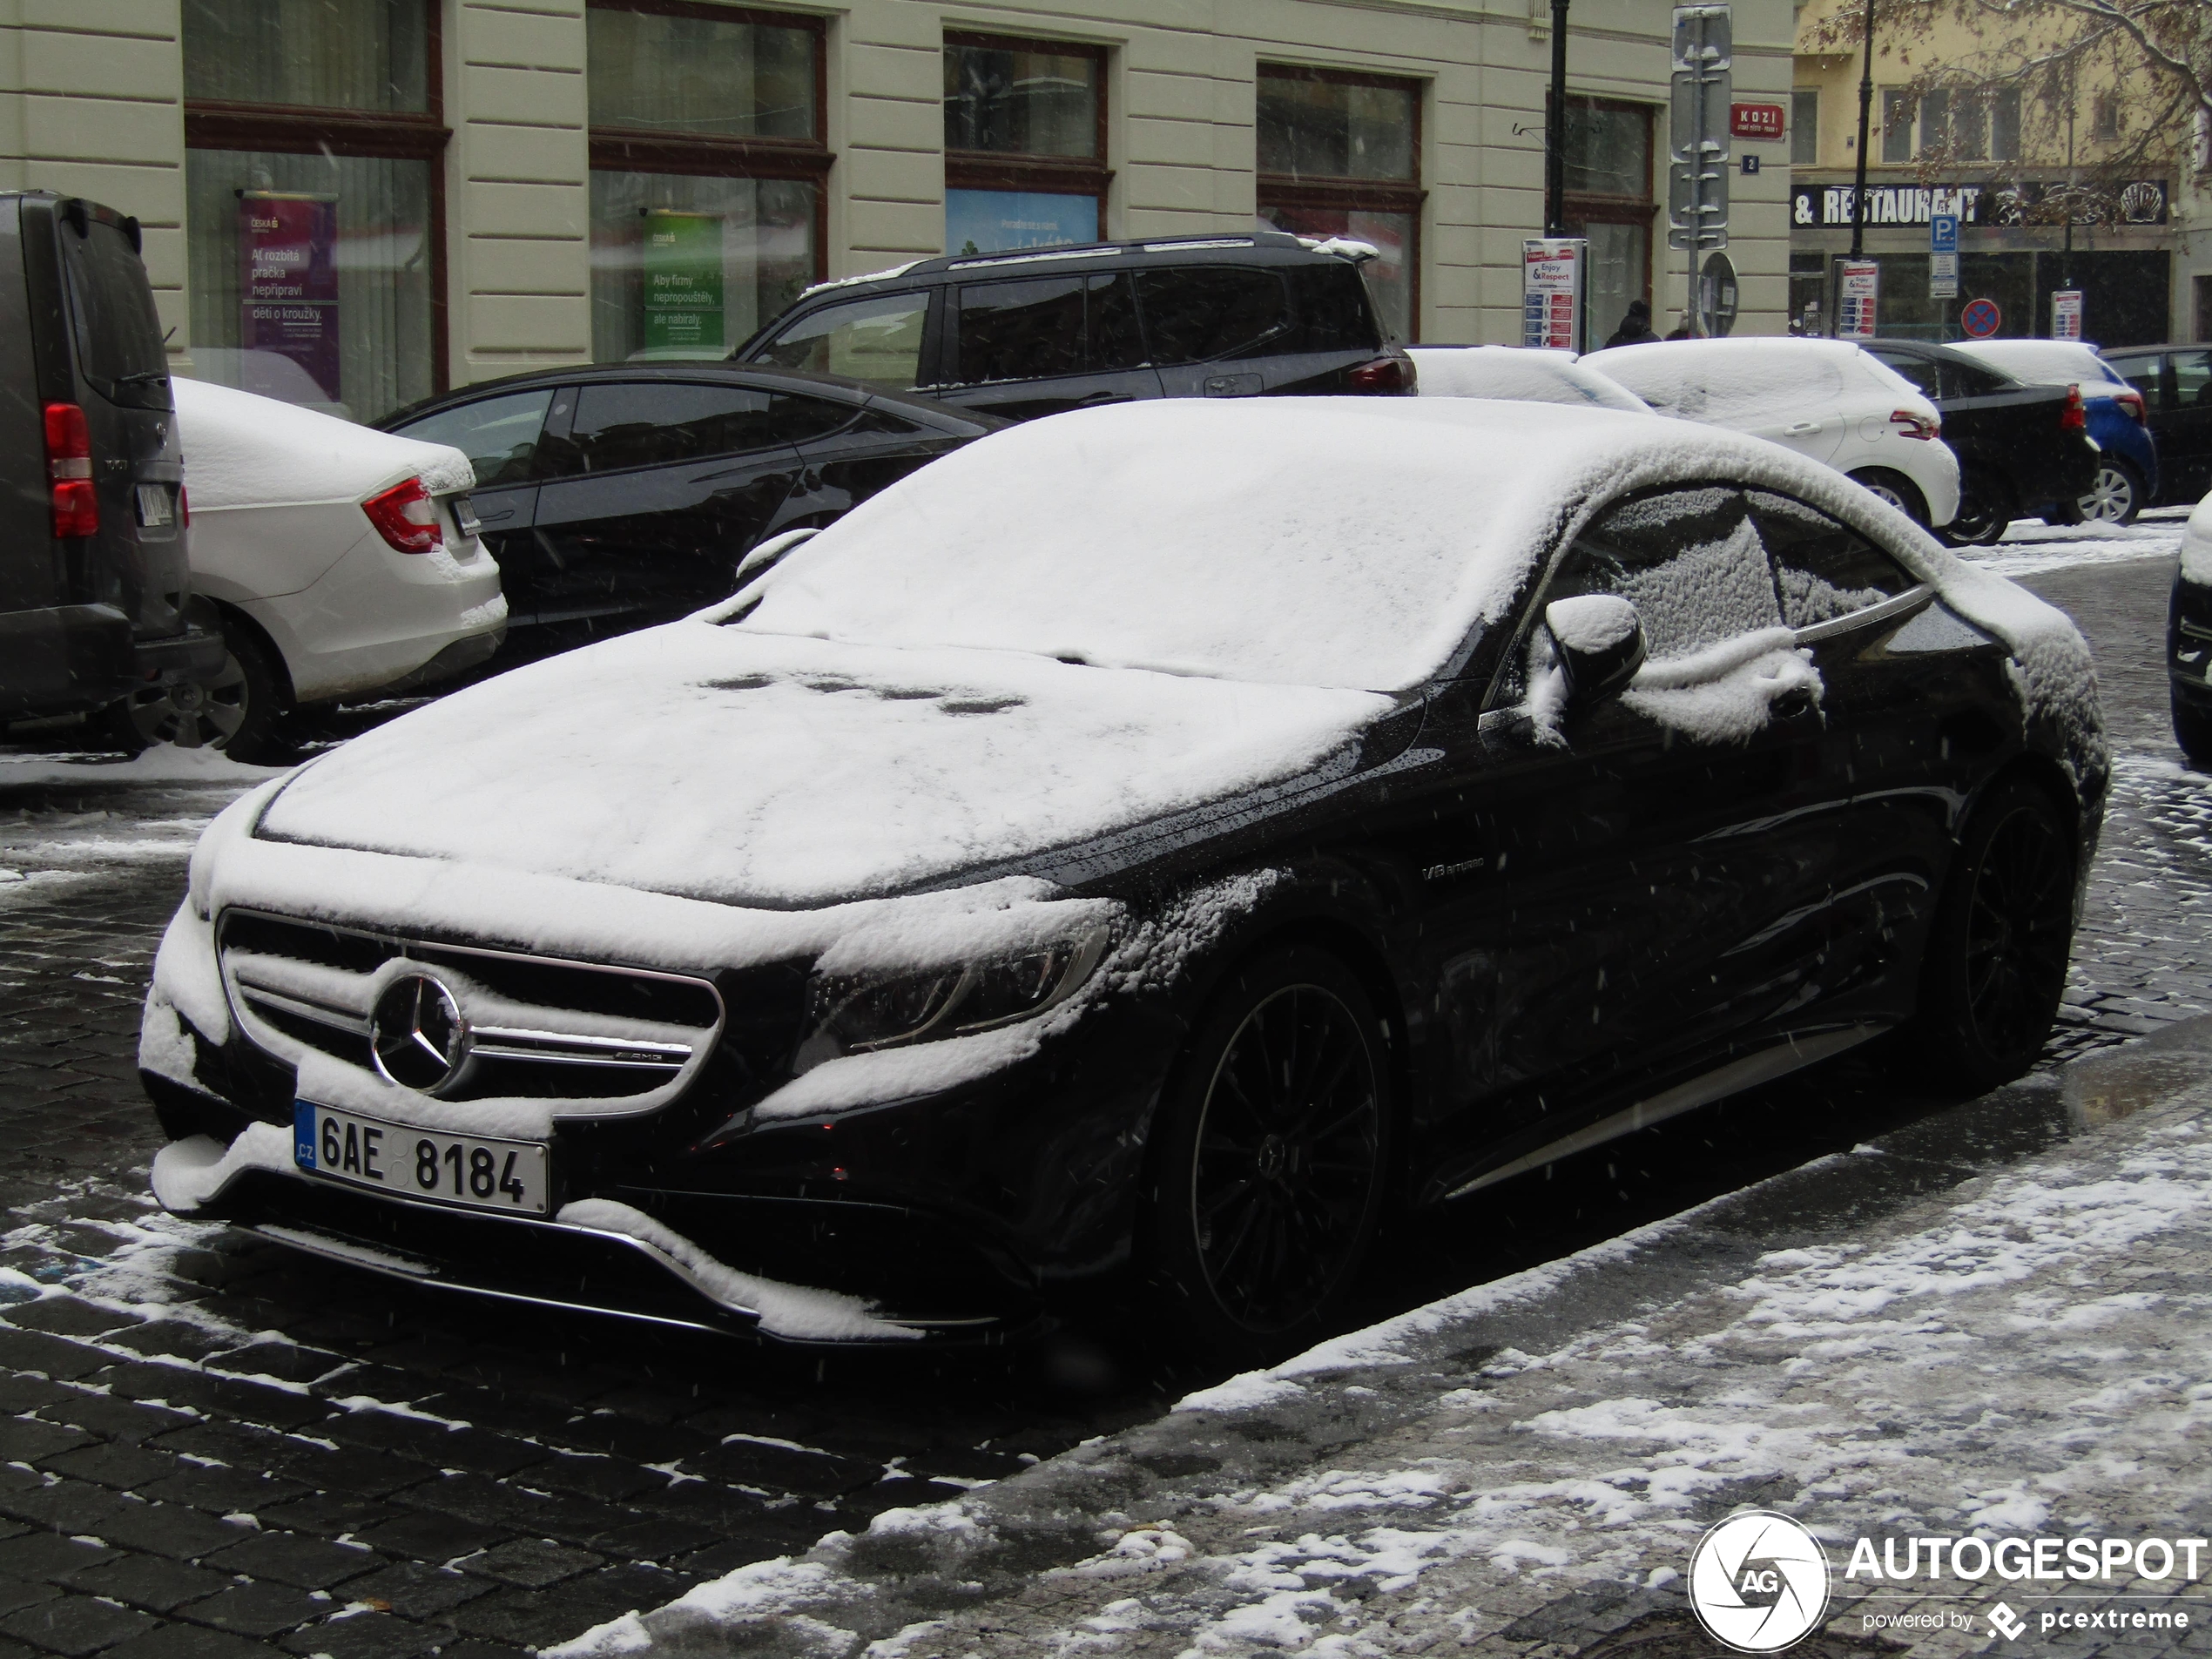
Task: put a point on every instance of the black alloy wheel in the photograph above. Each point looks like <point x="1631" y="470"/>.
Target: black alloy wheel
<point x="1269" y="1160"/>
<point x="1897" y="490"/>
<point x="2004" y="935"/>
<point x="1984" y="511"/>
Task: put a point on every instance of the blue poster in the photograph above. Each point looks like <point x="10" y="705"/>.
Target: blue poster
<point x="991" y="221"/>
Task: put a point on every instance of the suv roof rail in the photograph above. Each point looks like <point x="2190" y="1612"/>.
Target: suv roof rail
<point x="1195" y="241"/>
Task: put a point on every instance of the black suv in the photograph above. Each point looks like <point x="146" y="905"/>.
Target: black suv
<point x="95" y="588"/>
<point x="1033" y="333"/>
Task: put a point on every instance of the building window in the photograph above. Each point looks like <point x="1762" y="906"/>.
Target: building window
<point x="707" y="169"/>
<point x="314" y="206"/>
<point x="1609" y="201"/>
<point x="1935" y="120"/>
<point x="1897" y="125"/>
<point x="1804" y="129"/>
<point x="2005" y="123"/>
<point x="1340" y="155"/>
<point x="2104" y="118"/>
<point x="1025" y="144"/>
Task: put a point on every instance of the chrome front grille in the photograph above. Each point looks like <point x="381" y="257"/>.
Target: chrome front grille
<point x="538" y="1026"/>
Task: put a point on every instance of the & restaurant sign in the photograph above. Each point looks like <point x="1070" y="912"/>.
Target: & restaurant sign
<point x="2141" y="201"/>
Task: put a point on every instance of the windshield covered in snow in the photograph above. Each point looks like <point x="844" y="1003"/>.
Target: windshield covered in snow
<point x="2041" y="362"/>
<point x="1329" y="542"/>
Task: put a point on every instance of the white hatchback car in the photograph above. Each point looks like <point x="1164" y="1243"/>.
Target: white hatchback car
<point x="1826" y="399"/>
<point x="344" y="561"/>
<point x="1519" y="374"/>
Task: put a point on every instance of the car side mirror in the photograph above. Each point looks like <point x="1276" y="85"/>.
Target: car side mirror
<point x="1599" y="640"/>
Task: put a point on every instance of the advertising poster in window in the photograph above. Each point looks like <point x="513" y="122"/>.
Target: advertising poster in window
<point x="288" y="290"/>
<point x="681" y="294"/>
<point x="996" y="221"/>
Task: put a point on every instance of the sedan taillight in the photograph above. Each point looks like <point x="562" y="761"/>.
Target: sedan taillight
<point x="1909" y="425"/>
<point x="69" y="471"/>
<point x="1393" y="372"/>
<point x="406" y="517"/>
<point x="2132" y="400"/>
<point x="2075" y="416"/>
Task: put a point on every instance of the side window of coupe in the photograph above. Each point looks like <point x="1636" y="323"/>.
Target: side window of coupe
<point x="877" y="340"/>
<point x="648" y="423"/>
<point x="498" y="435"/>
<point x="1919" y="370"/>
<point x="1688" y="560"/>
<point x="1822" y="569"/>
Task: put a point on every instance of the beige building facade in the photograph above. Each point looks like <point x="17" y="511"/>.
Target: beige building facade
<point x="355" y="202"/>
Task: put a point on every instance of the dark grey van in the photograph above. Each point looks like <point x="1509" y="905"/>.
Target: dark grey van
<point x="95" y="591"/>
<point x="1027" y="334"/>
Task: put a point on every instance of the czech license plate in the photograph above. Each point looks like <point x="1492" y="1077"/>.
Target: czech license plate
<point x="153" y="506"/>
<point x="470" y="1169"/>
<point x="464" y="516"/>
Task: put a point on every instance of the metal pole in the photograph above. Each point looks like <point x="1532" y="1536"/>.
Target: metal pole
<point x="1866" y="114"/>
<point x="1555" y="130"/>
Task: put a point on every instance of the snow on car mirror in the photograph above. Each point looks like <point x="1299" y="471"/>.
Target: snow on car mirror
<point x="767" y="556"/>
<point x="1600" y="641"/>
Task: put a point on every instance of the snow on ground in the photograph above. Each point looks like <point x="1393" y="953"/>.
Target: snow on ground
<point x="2031" y="546"/>
<point x="2025" y="1353"/>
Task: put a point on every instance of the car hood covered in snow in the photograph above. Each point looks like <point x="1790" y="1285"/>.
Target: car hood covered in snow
<point x="241" y="450"/>
<point x="779" y="772"/>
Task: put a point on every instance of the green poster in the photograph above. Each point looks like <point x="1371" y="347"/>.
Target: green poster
<point x="682" y="290"/>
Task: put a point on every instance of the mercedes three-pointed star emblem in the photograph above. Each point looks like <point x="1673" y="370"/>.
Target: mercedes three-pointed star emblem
<point x="417" y="1034"/>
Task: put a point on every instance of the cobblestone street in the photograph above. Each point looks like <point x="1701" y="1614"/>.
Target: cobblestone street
<point x="210" y="1447"/>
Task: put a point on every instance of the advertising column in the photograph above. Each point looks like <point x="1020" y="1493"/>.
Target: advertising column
<point x="288" y="292"/>
<point x="681" y="294"/>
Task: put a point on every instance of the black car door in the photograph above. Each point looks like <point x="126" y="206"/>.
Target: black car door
<point x="869" y="451"/>
<point x="1645" y="877"/>
<point x="2185" y="435"/>
<point x="500" y="434"/>
<point x="1037" y="344"/>
<point x="654" y="490"/>
<point x="1922" y="700"/>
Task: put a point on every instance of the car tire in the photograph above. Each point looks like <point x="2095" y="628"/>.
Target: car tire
<point x="1897" y="490"/>
<point x="2116" y="496"/>
<point x="1984" y="511"/>
<point x="1997" y="956"/>
<point x="1269" y="1162"/>
<point x="241" y="712"/>
<point x="2192" y="730"/>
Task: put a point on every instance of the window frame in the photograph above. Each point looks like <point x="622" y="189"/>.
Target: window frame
<point x="1009" y="171"/>
<point x="1348" y="195"/>
<point x="1582" y="208"/>
<point x="1804" y="133"/>
<point x="293" y="129"/>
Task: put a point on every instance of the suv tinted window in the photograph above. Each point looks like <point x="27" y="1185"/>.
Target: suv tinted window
<point x="1333" y="311"/>
<point x="651" y="423"/>
<point x="1822" y="569"/>
<point x="118" y="337"/>
<point x="1038" y="327"/>
<point x="1200" y="313"/>
<point x="877" y="340"/>
<point x="498" y="435"/>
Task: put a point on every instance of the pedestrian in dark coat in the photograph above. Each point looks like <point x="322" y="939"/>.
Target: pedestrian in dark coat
<point x="1635" y="328"/>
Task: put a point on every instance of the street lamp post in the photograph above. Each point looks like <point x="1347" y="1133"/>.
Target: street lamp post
<point x="1555" y="130"/>
<point x="1866" y="116"/>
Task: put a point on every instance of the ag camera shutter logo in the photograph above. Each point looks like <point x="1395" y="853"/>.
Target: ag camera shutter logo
<point x="1758" y="1581"/>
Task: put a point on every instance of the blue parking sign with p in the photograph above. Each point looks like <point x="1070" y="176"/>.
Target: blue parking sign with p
<point x="1943" y="234"/>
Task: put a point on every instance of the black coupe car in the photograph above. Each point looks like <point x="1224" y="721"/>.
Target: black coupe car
<point x="622" y="495"/>
<point x="1124" y="859"/>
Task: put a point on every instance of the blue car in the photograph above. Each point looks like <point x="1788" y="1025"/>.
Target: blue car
<point x="2127" y="470"/>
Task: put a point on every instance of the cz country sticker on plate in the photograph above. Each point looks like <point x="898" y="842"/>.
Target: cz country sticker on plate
<point x="469" y="1169"/>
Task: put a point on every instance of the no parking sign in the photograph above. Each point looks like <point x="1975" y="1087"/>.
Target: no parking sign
<point x="1982" y="319"/>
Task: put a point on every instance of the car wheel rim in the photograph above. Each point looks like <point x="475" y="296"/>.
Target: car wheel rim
<point x="1289" y="1146"/>
<point x="2017" y="934"/>
<point x="194" y="717"/>
<point x="2110" y="497"/>
<point x="1884" y="492"/>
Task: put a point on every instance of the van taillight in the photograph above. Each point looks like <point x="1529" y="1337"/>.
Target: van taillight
<point x="406" y="517"/>
<point x="1393" y="372"/>
<point x="69" y="471"/>
<point x="2075" y="416"/>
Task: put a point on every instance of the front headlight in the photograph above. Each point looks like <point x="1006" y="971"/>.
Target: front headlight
<point x="857" y="1014"/>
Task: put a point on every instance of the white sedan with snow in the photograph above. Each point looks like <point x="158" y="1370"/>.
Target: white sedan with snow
<point x="1123" y="861"/>
<point x="1826" y="399"/>
<point x="1519" y="374"/>
<point x="344" y="561"/>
